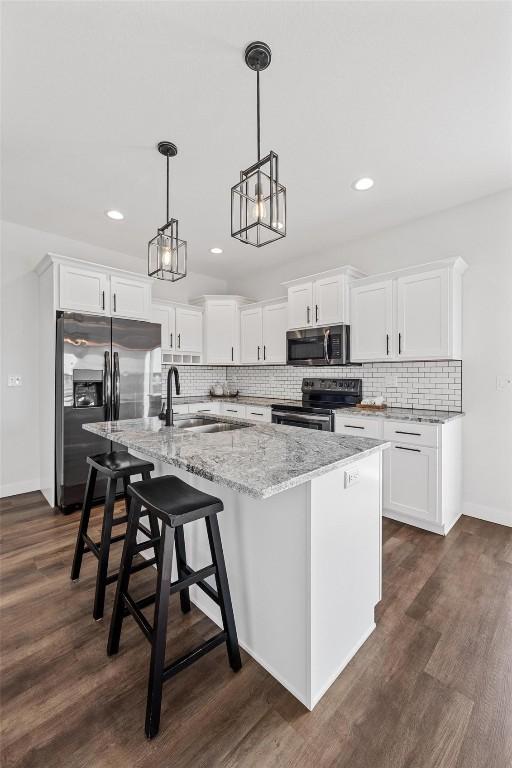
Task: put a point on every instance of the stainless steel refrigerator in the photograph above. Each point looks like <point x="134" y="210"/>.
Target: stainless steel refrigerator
<point x="106" y="369"/>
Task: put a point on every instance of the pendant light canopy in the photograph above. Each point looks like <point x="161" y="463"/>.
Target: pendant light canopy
<point x="258" y="200"/>
<point x="167" y="254"/>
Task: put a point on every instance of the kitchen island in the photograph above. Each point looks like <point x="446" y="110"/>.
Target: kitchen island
<point x="301" y="531"/>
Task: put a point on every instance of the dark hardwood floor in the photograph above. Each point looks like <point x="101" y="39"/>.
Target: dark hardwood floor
<point x="431" y="688"/>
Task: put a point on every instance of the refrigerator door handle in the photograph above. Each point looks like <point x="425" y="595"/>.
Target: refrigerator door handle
<point x="116" y="386"/>
<point x="107" y="384"/>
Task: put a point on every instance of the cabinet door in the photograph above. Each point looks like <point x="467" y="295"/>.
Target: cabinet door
<point x="221" y="333"/>
<point x="371" y="321"/>
<point x="328" y="300"/>
<point x="410" y="481"/>
<point x="300" y="305"/>
<point x="165" y="316"/>
<point x="275" y="321"/>
<point x="189" y="330"/>
<point x="423" y="315"/>
<point x="207" y="407"/>
<point x="83" y="290"/>
<point x="130" y="298"/>
<point x="251" y="340"/>
<point x="232" y="409"/>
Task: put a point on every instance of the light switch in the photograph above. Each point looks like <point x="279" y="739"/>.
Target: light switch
<point x="14" y="381"/>
<point x="503" y="382"/>
<point x="351" y="477"/>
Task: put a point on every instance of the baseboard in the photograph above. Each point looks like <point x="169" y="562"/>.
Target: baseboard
<point x="491" y="514"/>
<point x="416" y="523"/>
<point x="24" y="486"/>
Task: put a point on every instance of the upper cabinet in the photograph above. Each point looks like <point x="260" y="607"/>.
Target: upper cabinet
<point x="320" y="299"/>
<point x="83" y="290"/>
<point x="263" y="333"/>
<point x="130" y="297"/>
<point x="413" y="314"/>
<point x="165" y="316"/>
<point x="99" y="290"/>
<point x="189" y="329"/>
<point x="221" y="328"/>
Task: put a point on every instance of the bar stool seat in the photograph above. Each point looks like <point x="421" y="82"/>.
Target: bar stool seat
<point x="114" y="466"/>
<point x="118" y="464"/>
<point x="175" y="503"/>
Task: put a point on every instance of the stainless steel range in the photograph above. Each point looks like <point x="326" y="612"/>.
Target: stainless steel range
<point x="319" y="399"/>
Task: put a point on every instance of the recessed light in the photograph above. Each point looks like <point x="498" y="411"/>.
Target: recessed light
<point x="215" y="250"/>
<point x="116" y="215"/>
<point x="363" y="184"/>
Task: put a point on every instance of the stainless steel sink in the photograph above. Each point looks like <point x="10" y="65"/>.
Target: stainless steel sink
<point x="204" y="424"/>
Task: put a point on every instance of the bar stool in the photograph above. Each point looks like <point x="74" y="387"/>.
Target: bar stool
<point x="117" y="465"/>
<point x="175" y="503"/>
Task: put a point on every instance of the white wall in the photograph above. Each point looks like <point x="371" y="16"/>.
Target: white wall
<point x="480" y="232"/>
<point x="21" y="249"/>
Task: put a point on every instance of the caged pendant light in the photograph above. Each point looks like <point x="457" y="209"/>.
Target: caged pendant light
<point x="258" y="200"/>
<point x="167" y="254"/>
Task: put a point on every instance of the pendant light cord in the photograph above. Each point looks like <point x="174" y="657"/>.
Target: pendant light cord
<point x="258" y="110"/>
<point x="167" y="203"/>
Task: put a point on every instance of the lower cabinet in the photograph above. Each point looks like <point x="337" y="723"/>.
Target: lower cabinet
<point x="207" y="407"/>
<point x="421" y="468"/>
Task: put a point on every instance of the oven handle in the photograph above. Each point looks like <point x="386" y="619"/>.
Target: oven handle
<point x="301" y="416"/>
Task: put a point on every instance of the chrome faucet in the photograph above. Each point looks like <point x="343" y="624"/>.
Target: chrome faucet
<point x="168" y="413"/>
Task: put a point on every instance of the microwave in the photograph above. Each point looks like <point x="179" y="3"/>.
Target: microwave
<point x="328" y="345"/>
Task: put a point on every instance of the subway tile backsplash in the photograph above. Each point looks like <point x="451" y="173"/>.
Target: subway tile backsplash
<point x="431" y="384"/>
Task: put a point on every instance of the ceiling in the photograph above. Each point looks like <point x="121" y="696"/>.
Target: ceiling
<point x="417" y="95"/>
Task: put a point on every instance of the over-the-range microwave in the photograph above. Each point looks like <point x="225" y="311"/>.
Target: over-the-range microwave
<point x="328" y="345"/>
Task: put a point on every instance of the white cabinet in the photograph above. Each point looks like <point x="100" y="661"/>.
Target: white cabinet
<point x="251" y="335"/>
<point x="410" y="314"/>
<point x="189" y="329"/>
<point x="423" y="315"/>
<point x="263" y="333"/>
<point x="83" y="290"/>
<point x="362" y="427"/>
<point x="221" y="318"/>
<point x="180" y="408"/>
<point x="300" y="302"/>
<point x="206" y="407"/>
<point x="258" y="413"/>
<point x="166" y="317"/>
<point x="232" y="409"/>
<point x="411" y="482"/>
<point x="371" y="321"/>
<point x="328" y="300"/>
<point x="130" y="298"/>
<point x="275" y="324"/>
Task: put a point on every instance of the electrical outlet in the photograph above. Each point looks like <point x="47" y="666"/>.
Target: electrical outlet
<point x="14" y="381"/>
<point x="503" y="382"/>
<point x="351" y="477"/>
<point x="391" y="380"/>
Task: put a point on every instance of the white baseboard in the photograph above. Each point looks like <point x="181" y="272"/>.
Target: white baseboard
<point x="491" y="514"/>
<point x="24" y="486"/>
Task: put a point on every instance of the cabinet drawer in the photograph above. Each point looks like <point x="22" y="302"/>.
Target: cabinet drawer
<point x="412" y="434"/>
<point x="204" y="407"/>
<point x="180" y="408"/>
<point x="256" y="413"/>
<point x="231" y="409"/>
<point x="365" y="427"/>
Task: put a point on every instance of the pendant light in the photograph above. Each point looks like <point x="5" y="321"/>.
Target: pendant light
<point x="258" y="200"/>
<point x="167" y="254"/>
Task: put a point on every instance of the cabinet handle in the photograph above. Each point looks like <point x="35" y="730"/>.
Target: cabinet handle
<point x="387" y="343"/>
<point x="401" y="432"/>
<point x="232" y="354"/>
<point x="115" y="303"/>
<point x="231" y="410"/>
<point x="353" y="426"/>
<point x="403" y="448"/>
<point x="255" y="413"/>
<point x="179" y="340"/>
<point x="316" y="313"/>
<point x="103" y="299"/>
<point x="203" y="410"/>
<point x="258" y="353"/>
<point x="307" y="314"/>
<point x="399" y="343"/>
<point x="171" y="340"/>
<point x="264" y="352"/>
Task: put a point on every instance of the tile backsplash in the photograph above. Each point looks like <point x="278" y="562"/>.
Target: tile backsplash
<point x="431" y="384"/>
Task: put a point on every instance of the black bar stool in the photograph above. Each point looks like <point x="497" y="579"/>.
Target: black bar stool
<point x="175" y="503"/>
<point x="115" y="466"/>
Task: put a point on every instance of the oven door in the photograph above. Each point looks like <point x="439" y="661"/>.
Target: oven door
<point x="328" y="345"/>
<point x="322" y="422"/>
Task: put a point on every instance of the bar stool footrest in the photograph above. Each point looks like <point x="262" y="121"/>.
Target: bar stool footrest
<point x="185" y="661"/>
<point x="207" y="589"/>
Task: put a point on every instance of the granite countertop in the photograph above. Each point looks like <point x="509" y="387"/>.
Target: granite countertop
<point x="259" y="460"/>
<point x="420" y="415"/>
